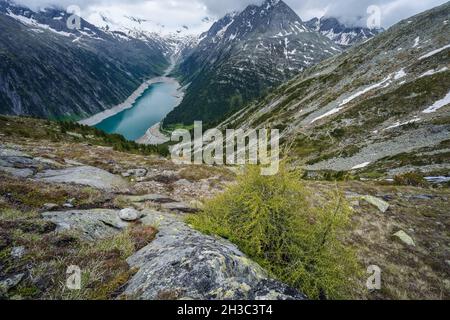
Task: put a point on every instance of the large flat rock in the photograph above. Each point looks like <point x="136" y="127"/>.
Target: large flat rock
<point x="85" y="175"/>
<point x="7" y="152"/>
<point x="16" y="163"/>
<point x="16" y="172"/>
<point x="182" y="263"/>
<point x="92" y="224"/>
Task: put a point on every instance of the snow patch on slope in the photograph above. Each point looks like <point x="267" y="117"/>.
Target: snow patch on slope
<point x="361" y="166"/>
<point x="34" y="23"/>
<point x="364" y="91"/>
<point x="432" y="53"/>
<point x="399" y="124"/>
<point x="384" y="83"/>
<point x="433" y="71"/>
<point x="438" y="104"/>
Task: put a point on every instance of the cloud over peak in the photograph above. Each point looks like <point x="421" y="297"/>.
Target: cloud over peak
<point x="182" y="12"/>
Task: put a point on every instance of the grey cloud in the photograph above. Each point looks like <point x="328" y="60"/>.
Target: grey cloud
<point x="349" y="11"/>
<point x="221" y="7"/>
<point x="40" y="4"/>
<point x="355" y="11"/>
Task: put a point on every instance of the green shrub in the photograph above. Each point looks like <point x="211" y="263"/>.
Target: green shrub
<point x="276" y="222"/>
<point x="118" y="142"/>
<point x="411" y="179"/>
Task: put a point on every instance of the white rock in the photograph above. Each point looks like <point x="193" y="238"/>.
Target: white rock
<point x="405" y="238"/>
<point x="87" y="176"/>
<point x="129" y="214"/>
<point x="183" y="182"/>
<point x="18" y="252"/>
<point x="19" y="173"/>
<point x="382" y="205"/>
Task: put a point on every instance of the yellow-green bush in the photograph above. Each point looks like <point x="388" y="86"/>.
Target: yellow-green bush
<point x="293" y="235"/>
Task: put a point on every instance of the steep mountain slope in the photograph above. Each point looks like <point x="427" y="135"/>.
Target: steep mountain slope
<point x="49" y="70"/>
<point x="242" y="56"/>
<point x="340" y="33"/>
<point x="381" y="107"/>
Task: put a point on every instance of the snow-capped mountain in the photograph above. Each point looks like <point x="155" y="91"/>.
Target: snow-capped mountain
<point x="51" y="19"/>
<point x="55" y="20"/>
<point x="142" y="29"/>
<point x="340" y="33"/>
<point x="131" y="25"/>
<point x="100" y="26"/>
<point x="243" y="55"/>
<point x="179" y="42"/>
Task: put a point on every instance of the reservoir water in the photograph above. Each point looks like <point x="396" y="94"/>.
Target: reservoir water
<point x="150" y="108"/>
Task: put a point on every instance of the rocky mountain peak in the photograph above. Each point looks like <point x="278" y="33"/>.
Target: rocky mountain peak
<point x="268" y="43"/>
<point x="271" y="18"/>
<point x="340" y="33"/>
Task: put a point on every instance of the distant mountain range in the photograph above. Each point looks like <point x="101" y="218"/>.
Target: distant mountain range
<point x="243" y="56"/>
<point x="340" y="33"/>
<point x="131" y="25"/>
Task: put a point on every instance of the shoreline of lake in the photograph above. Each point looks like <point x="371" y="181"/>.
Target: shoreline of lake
<point x="131" y="100"/>
<point x="153" y="136"/>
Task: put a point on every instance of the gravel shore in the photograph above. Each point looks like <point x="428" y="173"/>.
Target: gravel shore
<point x="154" y="136"/>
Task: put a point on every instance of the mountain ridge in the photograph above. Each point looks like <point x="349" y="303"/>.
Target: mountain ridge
<point x="376" y="108"/>
<point x="340" y="33"/>
<point x="71" y="72"/>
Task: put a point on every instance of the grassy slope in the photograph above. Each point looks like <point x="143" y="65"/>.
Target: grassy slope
<point x="408" y="273"/>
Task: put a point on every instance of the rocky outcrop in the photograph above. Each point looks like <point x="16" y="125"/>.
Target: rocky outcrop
<point x="241" y="56"/>
<point x="182" y="263"/>
<point x="382" y="205"/>
<point x="10" y="283"/>
<point x="403" y="237"/>
<point x="22" y="165"/>
<point x="129" y="214"/>
<point x="17" y="163"/>
<point x="91" y="224"/>
<point x="88" y="176"/>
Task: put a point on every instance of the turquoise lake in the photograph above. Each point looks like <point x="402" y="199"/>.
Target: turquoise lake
<point x="150" y="108"/>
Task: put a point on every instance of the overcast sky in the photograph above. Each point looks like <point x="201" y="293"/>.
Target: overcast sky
<point x="175" y="13"/>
